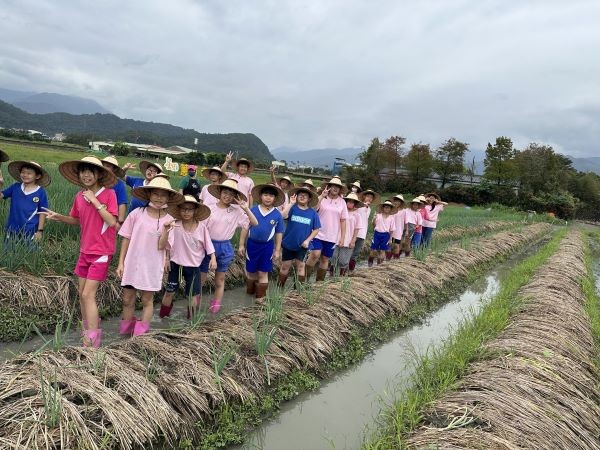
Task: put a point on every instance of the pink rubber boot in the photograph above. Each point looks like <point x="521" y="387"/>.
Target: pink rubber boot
<point x="165" y="311"/>
<point x="215" y="305"/>
<point x="127" y="326"/>
<point x="92" y="338"/>
<point x="141" y="328"/>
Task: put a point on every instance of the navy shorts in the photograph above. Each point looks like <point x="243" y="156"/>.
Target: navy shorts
<point x="288" y="255"/>
<point x="326" y="247"/>
<point x="191" y="276"/>
<point x="224" y="255"/>
<point x="380" y="241"/>
<point x="259" y="256"/>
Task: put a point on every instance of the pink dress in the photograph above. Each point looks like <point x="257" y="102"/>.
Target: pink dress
<point x="144" y="262"/>
<point x="331" y="212"/>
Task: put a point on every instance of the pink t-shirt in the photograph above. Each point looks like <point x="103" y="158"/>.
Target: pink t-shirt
<point x="385" y="224"/>
<point x="97" y="238"/>
<point x="431" y="222"/>
<point x="245" y="184"/>
<point x="223" y="222"/>
<point x="188" y="248"/>
<point x="424" y="217"/>
<point x="144" y="262"/>
<point x="331" y="212"/>
<point x="365" y="213"/>
<point x="207" y="198"/>
<point x="399" y="219"/>
<point x="413" y="217"/>
<point x="353" y="223"/>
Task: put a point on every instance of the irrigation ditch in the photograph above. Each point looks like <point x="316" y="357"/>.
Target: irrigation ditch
<point x="201" y="385"/>
<point x="47" y="300"/>
<point x="530" y="378"/>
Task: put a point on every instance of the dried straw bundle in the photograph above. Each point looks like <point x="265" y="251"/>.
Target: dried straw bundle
<point x="539" y="386"/>
<point x="161" y="384"/>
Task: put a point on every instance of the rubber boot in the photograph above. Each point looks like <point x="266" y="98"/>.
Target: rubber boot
<point x="299" y="281"/>
<point x="141" y="328"/>
<point x="343" y="272"/>
<point x="370" y="261"/>
<point x="388" y="255"/>
<point x="281" y="280"/>
<point x="261" y="290"/>
<point x="92" y="338"/>
<point x="309" y="271"/>
<point x="84" y="325"/>
<point x="352" y="265"/>
<point x="396" y="256"/>
<point x="407" y="253"/>
<point x="250" y="286"/>
<point x="127" y="326"/>
<point x="330" y="270"/>
<point x="165" y="311"/>
<point x="215" y="305"/>
<point x="321" y="274"/>
<point x="379" y="261"/>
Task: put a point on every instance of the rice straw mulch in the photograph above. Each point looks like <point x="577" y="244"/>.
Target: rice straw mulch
<point x="538" y="388"/>
<point x="160" y="384"/>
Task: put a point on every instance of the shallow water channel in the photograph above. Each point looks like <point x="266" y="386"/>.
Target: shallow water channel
<point x="337" y="414"/>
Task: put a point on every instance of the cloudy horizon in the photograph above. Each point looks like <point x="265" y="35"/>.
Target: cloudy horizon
<point x="322" y="74"/>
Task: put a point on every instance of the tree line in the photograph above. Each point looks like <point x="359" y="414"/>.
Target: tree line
<point x="533" y="178"/>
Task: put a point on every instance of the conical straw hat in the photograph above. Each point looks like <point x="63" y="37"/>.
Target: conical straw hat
<point x="229" y="183"/>
<point x="143" y="192"/>
<point x="145" y="164"/>
<point x="202" y="212"/>
<point x="387" y="203"/>
<point x="313" y="198"/>
<point x="279" y="199"/>
<point x="70" y="170"/>
<point x="14" y="168"/>
<point x="357" y="202"/>
<point x="246" y="161"/>
<point x="397" y="197"/>
<point x="206" y="173"/>
<point x="112" y="161"/>
<point x="288" y="179"/>
<point x="376" y="196"/>
<point x="309" y="184"/>
<point x="3" y="156"/>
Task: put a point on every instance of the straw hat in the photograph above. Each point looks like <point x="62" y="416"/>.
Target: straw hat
<point x="229" y="183"/>
<point x="356" y="184"/>
<point x="70" y="170"/>
<point x="112" y="161"/>
<point x="143" y="192"/>
<point x="416" y="200"/>
<point x="279" y="199"/>
<point x="336" y="181"/>
<point x="250" y="164"/>
<point x="309" y="184"/>
<point x="312" y="195"/>
<point x="202" y="212"/>
<point x="433" y="194"/>
<point x="397" y="197"/>
<point x="14" y="168"/>
<point x="206" y="172"/>
<point x="376" y="196"/>
<point x="288" y="179"/>
<point x="387" y="203"/>
<point x="422" y="198"/>
<point x="3" y="156"/>
<point x="357" y="203"/>
<point x="145" y="164"/>
<point x="163" y="175"/>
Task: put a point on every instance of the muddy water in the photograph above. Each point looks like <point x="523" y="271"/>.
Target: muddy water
<point x="234" y="299"/>
<point x="336" y="415"/>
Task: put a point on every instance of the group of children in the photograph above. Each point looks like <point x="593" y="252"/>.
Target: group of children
<point x="183" y="236"/>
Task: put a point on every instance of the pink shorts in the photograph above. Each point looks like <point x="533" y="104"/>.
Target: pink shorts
<point x="92" y="267"/>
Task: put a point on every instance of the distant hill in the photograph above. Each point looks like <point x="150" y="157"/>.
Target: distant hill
<point x="109" y="126"/>
<point x="317" y="157"/>
<point x="591" y="164"/>
<point x="46" y="102"/>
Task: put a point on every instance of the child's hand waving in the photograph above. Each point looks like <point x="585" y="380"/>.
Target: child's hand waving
<point x="50" y="215"/>
<point x="170" y="225"/>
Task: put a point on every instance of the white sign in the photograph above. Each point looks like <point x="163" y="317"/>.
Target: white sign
<point x="170" y="165"/>
<point x="195" y="141"/>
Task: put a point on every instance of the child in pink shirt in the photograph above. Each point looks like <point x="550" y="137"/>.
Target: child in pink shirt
<point x="384" y="225"/>
<point x="141" y="261"/>
<point x="242" y="167"/>
<point x="227" y="215"/>
<point x="412" y="220"/>
<point x="333" y="214"/>
<point x="434" y="206"/>
<point x="95" y="210"/>
<point x="187" y="240"/>
<point x="215" y="175"/>
<point x="399" y="219"/>
<point x="368" y="197"/>
<point x="343" y="252"/>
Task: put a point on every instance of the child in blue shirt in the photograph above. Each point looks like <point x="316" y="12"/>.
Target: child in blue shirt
<point x="302" y="227"/>
<point x="111" y="163"/>
<point x="264" y="239"/>
<point x="150" y="170"/>
<point x="28" y="197"/>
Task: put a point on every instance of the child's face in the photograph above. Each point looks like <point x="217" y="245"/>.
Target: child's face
<point x="267" y="199"/>
<point x="302" y="198"/>
<point x="354" y="189"/>
<point x="88" y="177"/>
<point x="214" y="176"/>
<point x="284" y="184"/>
<point x="159" y="197"/>
<point x="242" y="169"/>
<point x="398" y="203"/>
<point x="29" y="175"/>
<point x="431" y="199"/>
<point x="350" y="205"/>
<point x="227" y="196"/>
<point x="414" y="206"/>
<point x="187" y="211"/>
<point x="151" y="172"/>
<point x="334" y="190"/>
<point x="387" y="209"/>
<point x="368" y="199"/>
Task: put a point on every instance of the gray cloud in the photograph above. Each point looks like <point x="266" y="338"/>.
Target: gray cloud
<point x="322" y="74"/>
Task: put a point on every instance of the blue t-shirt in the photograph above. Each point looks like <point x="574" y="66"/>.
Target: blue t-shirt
<point x="23" y="216"/>
<point x="301" y="222"/>
<point x="134" y="182"/>
<point x="267" y="225"/>
<point x="121" y="192"/>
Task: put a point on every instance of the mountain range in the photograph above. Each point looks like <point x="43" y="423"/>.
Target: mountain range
<point x="47" y="102"/>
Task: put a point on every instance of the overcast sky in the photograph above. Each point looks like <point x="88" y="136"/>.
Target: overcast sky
<point x="314" y="74"/>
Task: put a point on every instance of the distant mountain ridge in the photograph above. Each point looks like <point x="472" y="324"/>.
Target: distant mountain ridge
<point x="46" y="102"/>
<point x="111" y="127"/>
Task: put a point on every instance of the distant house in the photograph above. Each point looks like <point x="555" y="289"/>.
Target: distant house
<point x="179" y="148"/>
<point x="141" y="150"/>
<point x="59" y="137"/>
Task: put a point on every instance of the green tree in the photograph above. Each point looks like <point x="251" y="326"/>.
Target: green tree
<point x="373" y="158"/>
<point x="541" y="170"/>
<point x="419" y="161"/>
<point x="121" y="149"/>
<point x="449" y="160"/>
<point x="499" y="163"/>
<point x="586" y="187"/>
<point x="394" y="151"/>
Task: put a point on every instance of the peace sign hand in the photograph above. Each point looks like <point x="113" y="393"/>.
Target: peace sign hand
<point x="50" y="215"/>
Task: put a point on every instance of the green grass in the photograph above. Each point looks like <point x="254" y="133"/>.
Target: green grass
<point x="590" y="290"/>
<point x="438" y="371"/>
